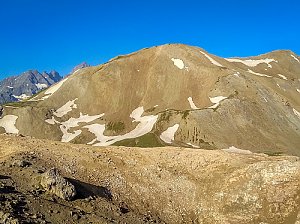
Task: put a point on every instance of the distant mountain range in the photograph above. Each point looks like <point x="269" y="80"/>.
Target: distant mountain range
<point x="23" y="86"/>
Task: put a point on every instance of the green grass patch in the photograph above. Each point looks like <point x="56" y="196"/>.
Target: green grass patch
<point x="20" y="104"/>
<point x="146" y="141"/>
<point x="273" y="153"/>
<point x="185" y="114"/>
<point x="115" y="126"/>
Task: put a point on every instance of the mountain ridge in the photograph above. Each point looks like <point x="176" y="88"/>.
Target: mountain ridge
<point x="23" y="86"/>
<point x="174" y="94"/>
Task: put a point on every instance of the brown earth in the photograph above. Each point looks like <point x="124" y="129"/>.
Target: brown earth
<point x="138" y="185"/>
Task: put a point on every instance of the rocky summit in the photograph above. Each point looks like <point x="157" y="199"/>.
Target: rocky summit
<point x="23" y="86"/>
<point x="171" y="95"/>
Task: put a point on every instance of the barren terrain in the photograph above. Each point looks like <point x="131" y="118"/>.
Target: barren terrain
<point x="154" y="185"/>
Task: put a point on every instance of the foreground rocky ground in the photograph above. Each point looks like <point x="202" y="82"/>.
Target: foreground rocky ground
<point x="135" y="185"/>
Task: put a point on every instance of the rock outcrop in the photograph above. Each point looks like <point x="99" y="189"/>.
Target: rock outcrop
<point x="55" y="184"/>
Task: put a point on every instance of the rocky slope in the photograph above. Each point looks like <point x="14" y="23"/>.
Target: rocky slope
<point x="23" y="86"/>
<point x="137" y="185"/>
<point x="171" y="95"/>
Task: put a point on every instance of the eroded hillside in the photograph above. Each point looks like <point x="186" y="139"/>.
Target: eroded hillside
<point x="171" y="95"/>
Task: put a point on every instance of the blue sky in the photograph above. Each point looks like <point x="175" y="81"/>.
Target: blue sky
<point x="58" y="34"/>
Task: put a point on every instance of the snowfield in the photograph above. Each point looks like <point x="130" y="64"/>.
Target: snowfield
<point x="168" y="135"/>
<point x="8" y="122"/>
<point x="66" y="108"/>
<point x="252" y="62"/>
<point x="145" y="125"/>
<point x="49" y="92"/>
<point x="74" y="122"/>
<point x="212" y="60"/>
<point x="258" y="74"/>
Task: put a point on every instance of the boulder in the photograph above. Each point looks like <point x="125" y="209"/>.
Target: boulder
<point x="57" y="185"/>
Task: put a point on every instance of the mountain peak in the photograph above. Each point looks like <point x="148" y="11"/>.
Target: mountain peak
<point x="17" y="88"/>
<point x="80" y="66"/>
<point x="174" y="94"/>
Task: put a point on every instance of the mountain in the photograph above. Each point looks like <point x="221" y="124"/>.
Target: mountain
<point x="80" y="66"/>
<point x="23" y="86"/>
<point x="172" y="95"/>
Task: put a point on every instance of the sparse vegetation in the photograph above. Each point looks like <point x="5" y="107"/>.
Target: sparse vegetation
<point x="115" y="126"/>
<point x="146" y="141"/>
<point x="185" y="114"/>
<point x="165" y="116"/>
<point x="150" y="110"/>
<point x="273" y="153"/>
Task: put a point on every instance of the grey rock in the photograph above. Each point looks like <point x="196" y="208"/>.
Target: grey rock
<point x="21" y="163"/>
<point x="55" y="184"/>
<point x="80" y="66"/>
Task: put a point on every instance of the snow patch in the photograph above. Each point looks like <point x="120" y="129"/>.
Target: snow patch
<point x="41" y="85"/>
<point x="259" y="74"/>
<point x="233" y="149"/>
<point x="76" y="71"/>
<point x="265" y="99"/>
<point x="65" y="108"/>
<point x="74" y="122"/>
<point x="178" y="63"/>
<point x="280" y="87"/>
<point x="282" y="76"/>
<point x="49" y="92"/>
<point x="194" y="146"/>
<point x="145" y="125"/>
<point x="8" y="122"/>
<point x="216" y="100"/>
<point x="253" y="62"/>
<point x="21" y="97"/>
<point x="168" y="135"/>
<point x="193" y="106"/>
<point x="137" y="114"/>
<point x="297" y="113"/>
<point x="51" y="121"/>
<point x="295" y="58"/>
<point x="237" y="74"/>
<point x="212" y="60"/>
